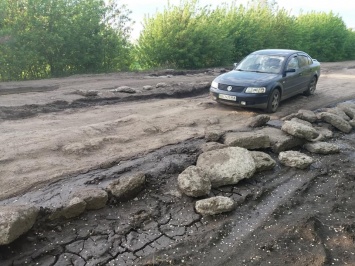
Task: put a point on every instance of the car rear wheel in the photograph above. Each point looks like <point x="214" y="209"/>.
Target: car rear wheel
<point x="311" y="87"/>
<point x="274" y="101"/>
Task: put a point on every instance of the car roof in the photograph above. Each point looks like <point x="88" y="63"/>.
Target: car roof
<point x="281" y="52"/>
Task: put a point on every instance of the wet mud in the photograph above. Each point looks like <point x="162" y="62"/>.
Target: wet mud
<point x="284" y="217"/>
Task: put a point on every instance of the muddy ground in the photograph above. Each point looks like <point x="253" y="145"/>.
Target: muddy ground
<point x="57" y="137"/>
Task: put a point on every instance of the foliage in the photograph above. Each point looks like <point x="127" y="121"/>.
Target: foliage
<point x="49" y="38"/>
<point x="45" y="38"/>
<point x="186" y="36"/>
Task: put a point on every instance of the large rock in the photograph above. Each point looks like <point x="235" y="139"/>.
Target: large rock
<point x="339" y="112"/>
<point x="263" y="161"/>
<point x="336" y="121"/>
<point x="193" y="182"/>
<point x="259" y="121"/>
<point x="15" y="221"/>
<point x="95" y="198"/>
<point x="307" y="115"/>
<point x="325" y="132"/>
<point x="295" y="159"/>
<point x="128" y="187"/>
<point x="280" y="141"/>
<point x="227" y="166"/>
<point x="348" y="108"/>
<point x="300" y="130"/>
<point x="248" y="140"/>
<point x="214" y="205"/>
<point x="322" y="147"/>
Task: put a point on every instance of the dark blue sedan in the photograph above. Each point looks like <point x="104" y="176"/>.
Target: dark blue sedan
<point x="266" y="77"/>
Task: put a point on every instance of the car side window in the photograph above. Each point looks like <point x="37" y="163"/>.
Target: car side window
<point x="293" y="63"/>
<point x="303" y="60"/>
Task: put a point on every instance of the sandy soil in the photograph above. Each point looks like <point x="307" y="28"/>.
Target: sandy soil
<point x="53" y="139"/>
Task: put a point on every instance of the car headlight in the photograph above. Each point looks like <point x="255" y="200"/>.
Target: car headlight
<point x="255" y="90"/>
<point x="214" y="84"/>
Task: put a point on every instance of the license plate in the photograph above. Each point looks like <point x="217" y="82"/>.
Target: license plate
<point x="227" y="97"/>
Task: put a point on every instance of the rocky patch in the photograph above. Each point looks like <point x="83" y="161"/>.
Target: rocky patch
<point x="300" y="130"/>
<point x="263" y="161"/>
<point x="193" y="182"/>
<point x="127" y="187"/>
<point x="322" y="148"/>
<point x="336" y="121"/>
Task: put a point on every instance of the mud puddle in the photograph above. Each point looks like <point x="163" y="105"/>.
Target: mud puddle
<point x="284" y="217"/>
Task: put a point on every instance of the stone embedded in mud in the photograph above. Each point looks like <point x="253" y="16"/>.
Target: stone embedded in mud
<point x="307" y="115"/>
<point x="259" y="121"/>
<point x="15" y="220"/>
<point x="300" y="130"/>
<point x="74" y="208"/>
<point x="227" y="166"/>
<point x="95" y="198"/>
<point x="248" y="140"/>
<point x="193" y="182"/>
<point x="87" y="93"/>
<point x="352" y="123"/>
<point x="336" y="121"/>
<point x="295" y="159"/>
<point x="147" y="87"/>
<point x="280" y="141"/>
<point x="322" y="147"/>
<point x="125" y="89"/>
<point x="127" y="187"/>
<point x="263" y="161"/>
<point x="161" y="85"/>
<point x="214" y="205"/>
<point x="213" y="134"/>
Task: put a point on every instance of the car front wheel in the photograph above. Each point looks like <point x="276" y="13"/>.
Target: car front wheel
<point x="311" y="87"/>
<point x="274" y="101"/>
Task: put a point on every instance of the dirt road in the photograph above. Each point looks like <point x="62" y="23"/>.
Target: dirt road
<point x="49" y="131"/>
<point x="60" y="134"/>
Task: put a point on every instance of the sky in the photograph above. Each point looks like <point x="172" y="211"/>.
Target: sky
<point x="343" y="8"/>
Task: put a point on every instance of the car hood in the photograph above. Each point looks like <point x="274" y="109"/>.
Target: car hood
<point x="245" y="78"/>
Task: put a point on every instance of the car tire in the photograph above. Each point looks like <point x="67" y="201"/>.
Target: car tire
<point x="274" y="101"/>
<point x="311" y="86"/>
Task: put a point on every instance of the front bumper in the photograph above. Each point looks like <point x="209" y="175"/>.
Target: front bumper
<point x="242" y="99"/>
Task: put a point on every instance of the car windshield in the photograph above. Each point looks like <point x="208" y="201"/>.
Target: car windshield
<point x="261" y="63"/>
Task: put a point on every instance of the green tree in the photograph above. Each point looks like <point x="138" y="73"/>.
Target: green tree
<point x="46" y="38"/>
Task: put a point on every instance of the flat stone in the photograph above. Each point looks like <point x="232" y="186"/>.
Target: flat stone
<point x="147" y="87"/>
<point x="322" y="147"/>
<point x="307" y="115"/>
<point x="280" y="141"/>
<point x="295" y="159"/>
<point x="300" y="130"/>
<point x="210" y="146"/>
<point x="248" y="140"/>
<point x="214" y="205"/>
<point x="304" y="122"/>
<point x="213" y="134"/>
<point x="74" y="208"/>
<point x="339" y="112"/>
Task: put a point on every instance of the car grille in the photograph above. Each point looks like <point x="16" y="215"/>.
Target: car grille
<point x="224" y="87"/>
